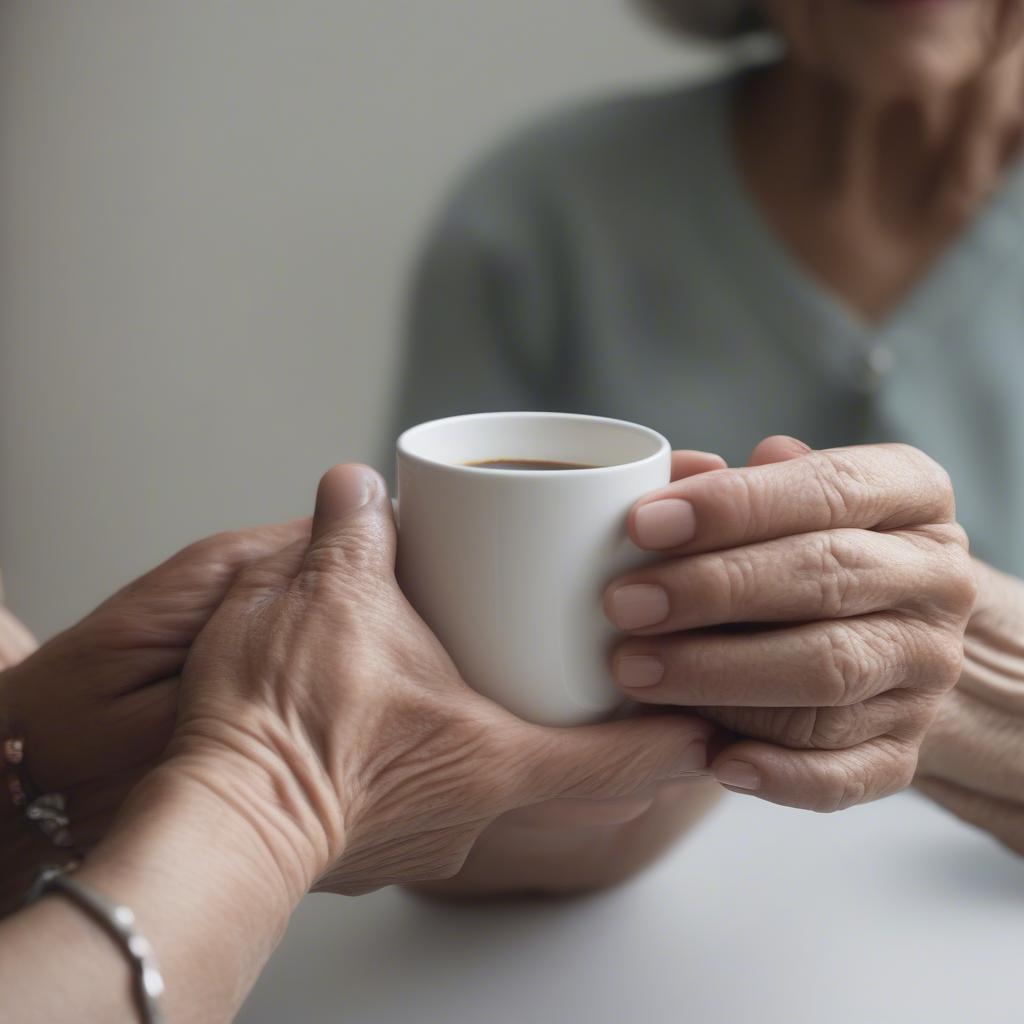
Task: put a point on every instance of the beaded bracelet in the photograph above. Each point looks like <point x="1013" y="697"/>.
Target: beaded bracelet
<point x="47" y="812"/>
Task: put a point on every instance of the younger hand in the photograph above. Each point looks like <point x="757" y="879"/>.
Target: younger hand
<point x="96" y="704"/>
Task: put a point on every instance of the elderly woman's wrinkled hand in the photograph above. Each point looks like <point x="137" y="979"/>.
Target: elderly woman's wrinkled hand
<point x="323" y="715"/>
<point x="812" y="603"/>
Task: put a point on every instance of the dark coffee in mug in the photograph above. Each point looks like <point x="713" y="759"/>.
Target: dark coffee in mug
<point x="527" y="464"/>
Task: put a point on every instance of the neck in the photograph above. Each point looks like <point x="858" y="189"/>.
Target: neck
<point x="902" y="160"/>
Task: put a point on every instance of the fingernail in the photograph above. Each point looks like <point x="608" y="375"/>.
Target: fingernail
<point x="347" y="488"/>
<point x="639" y="605"/>
<point x="665" y="524"/>
<point x="638" y="670"/>
<point x="738" y="774"/>
<point x="693" y="759"/>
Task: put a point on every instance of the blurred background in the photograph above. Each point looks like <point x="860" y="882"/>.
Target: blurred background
<point x="208" y="211"/>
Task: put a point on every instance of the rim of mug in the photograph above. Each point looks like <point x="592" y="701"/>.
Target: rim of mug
<point x="402" y="445"/>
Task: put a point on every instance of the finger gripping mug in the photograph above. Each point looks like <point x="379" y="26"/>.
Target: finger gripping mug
<point x="508" y="565"/>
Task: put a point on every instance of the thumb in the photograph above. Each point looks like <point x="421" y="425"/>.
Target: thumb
<point x="353" y="524"/>
<point x="687" y="462"/>
<point x="778" y="448"/>
<point x="618" y="758"/>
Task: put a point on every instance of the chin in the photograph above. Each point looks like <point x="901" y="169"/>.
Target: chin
<point x="900" y="47"/>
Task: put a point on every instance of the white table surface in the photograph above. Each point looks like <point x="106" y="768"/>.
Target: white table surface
<point x="892" y="912"/>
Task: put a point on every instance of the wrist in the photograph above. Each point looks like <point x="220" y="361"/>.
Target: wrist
<point x="204" y="889"/>
<point x="279" y="802"/>
<point x="175" y="822"/>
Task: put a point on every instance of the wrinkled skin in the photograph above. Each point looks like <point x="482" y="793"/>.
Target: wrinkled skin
<point x="318" y="707"/>
<point x="817" y="610"/>
<point x="972" y="762"/>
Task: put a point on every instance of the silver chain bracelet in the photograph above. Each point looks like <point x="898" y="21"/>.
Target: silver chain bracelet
<point x="119" y="922"/>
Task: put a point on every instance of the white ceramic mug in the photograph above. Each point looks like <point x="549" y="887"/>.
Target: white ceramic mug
<point x="508" y="566"/>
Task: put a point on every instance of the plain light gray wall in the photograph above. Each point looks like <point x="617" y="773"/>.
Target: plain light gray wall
<point x="207" y="210"/>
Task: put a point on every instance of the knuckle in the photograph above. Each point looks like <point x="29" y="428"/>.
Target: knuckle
<point x="337" y="557"/>
<point x="345" y="552"/>
<point x="843" y="667"/>
<point x="906" y="769"/>
<point x="956" y="582"/>
<point x="835" y="728"/>
<point x="946" y="580"/>
<point x="330" y="573"/>
<point x="949" y="541"/>
<point x="737" y="580"/>
<point x="868" y="773"/>
<point x="950" y="535"/>
<point x="930" y="657"/>
<point x="960" y="597"/>
<point x="842" y="786"/>
<point x="890" y="648"/>
<point x="941" y="485"/>
<point x="961" y="583"/>
<point x="944" y="663"/>
<point x="323" y="580"/>
<point x="831" y="474"/>
<point x="741" y="493"/>
<point x="936" y="483"/>
<point x="913" y="717"/>
<point x="898" y="713"/>
<point x="835" y="560"/>
<point x="893" y="768"/>
<point x="790" y="727"/>
<point x="849" y="490"/>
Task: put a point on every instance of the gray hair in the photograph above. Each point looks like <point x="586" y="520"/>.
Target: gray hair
<point x="710" y="19"/>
